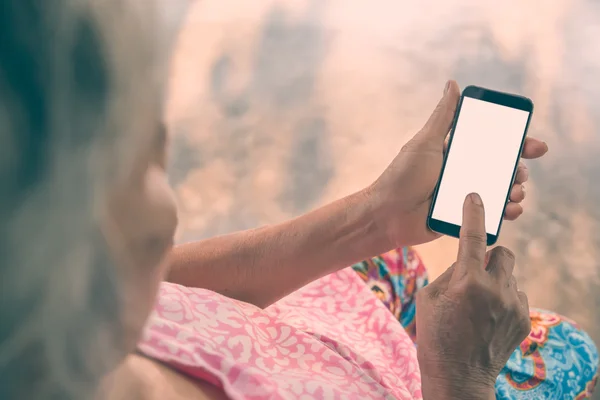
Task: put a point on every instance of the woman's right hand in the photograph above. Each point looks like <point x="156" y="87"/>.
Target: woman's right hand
<point x="471" y="319"/>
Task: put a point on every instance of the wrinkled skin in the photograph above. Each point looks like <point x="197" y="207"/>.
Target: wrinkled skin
<point x="471" y="318"/>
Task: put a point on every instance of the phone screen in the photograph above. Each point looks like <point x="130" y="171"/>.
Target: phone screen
<point x="485" y="147"/>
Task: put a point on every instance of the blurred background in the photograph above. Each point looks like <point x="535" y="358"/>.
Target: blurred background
<point x="277" y="107"/>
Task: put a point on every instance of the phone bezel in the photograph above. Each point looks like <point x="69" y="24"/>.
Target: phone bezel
<point x="492" y="96"/>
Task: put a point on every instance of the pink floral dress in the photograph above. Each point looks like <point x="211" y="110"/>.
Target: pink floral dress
<point x="331" y="339"/>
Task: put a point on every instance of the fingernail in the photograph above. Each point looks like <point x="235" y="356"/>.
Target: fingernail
<point x="447" y="87"/>
<point x="546" y="144"/>
<point x="523" y="190"/>
<point x="475" y="199"/>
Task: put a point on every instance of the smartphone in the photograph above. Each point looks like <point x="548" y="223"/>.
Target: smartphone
<point x="486" y="140"/>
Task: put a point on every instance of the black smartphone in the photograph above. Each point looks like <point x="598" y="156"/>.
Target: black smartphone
<point x="486" y="140"/>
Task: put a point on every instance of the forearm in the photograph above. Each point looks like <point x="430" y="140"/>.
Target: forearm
<point x="261" y="266"/>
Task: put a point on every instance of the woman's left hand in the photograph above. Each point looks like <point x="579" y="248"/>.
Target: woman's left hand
<point x="401" y="198"/>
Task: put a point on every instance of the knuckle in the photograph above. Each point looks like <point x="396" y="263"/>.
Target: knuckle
<point x="523" y="169"/>
<point x="470" y="258"/>
<point x="411" y="146"/>
<point x="426" y="293"/>
<point x="523" y="300"/>
<point x="523" y="312"/>
<point x="525" y="324"/>
<point x="475" y="237"/>
<point x="504" y="253"/>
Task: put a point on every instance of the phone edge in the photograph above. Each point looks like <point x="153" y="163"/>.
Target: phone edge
<point x="491" y="239"/>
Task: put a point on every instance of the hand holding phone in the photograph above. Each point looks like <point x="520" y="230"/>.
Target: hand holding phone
<point x="486" y="141"/>
<point x="400" y="200"/>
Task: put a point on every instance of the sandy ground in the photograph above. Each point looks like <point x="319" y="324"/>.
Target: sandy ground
<point x="277" y="107"/>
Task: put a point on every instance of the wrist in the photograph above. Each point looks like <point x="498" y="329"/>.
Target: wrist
<point x="449" y="380"/>
<point x="369" y="235"/>
<point x="452" y="389"/>
<point x="385" y="217"/>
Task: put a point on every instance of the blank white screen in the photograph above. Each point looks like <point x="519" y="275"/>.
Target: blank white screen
<point x="482" y="158"/>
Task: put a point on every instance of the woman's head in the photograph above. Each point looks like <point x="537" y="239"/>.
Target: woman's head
<point x="87" y="217"/>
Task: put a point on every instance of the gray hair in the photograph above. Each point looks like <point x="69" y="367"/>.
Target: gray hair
<point x="70" y="72"/>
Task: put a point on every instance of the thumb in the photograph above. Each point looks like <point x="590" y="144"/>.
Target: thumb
<point x="439" y="123"/>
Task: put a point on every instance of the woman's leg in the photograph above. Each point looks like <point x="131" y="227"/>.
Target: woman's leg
<point x="557" y="360"/>
<point x="395" y="277"/>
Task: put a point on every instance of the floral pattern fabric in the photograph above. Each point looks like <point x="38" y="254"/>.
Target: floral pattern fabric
<point x="330" y="340"/>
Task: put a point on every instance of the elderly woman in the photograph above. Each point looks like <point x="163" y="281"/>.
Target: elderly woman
<point x="96" y="302"/>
